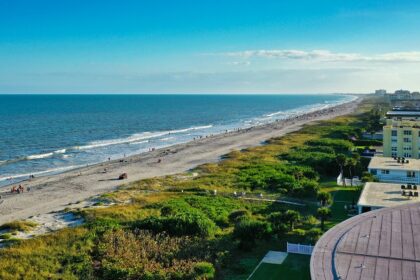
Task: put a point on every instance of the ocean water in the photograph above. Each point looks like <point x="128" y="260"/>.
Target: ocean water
<point x="43" y="134"/>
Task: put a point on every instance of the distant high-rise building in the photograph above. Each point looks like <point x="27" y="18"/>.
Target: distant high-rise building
<point x="380" y="92"/>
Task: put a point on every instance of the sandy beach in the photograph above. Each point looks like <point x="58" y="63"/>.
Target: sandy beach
<point x="56" y="192"/>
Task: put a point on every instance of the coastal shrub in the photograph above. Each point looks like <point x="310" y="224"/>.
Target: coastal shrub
<point x="273" y="177"/>
<point x="216" y="208"/>
<point x="143" y="255"/>
<point x="368" y="177"/>
<point x="313" y="234"/>
<point x="302" y="172"/>
<point x="204" y="270"/>
<point x="61" y="255"/>
<point x="277" y="223"/>
<point x="324" y="163"/>
<point x="238" y="215"/>
<point x="24" y="226"/>
<point x="189" y="222"/>
<point x="367" y="143"/>
<point x="306" y="188"/>
<point x="247" y="231"/>
<point x="321" y="149"/>
<point x="6" y="236"/>
<point x="339" y="145"/>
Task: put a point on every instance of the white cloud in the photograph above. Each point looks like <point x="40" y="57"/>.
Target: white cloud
<point x="328" y="56"/>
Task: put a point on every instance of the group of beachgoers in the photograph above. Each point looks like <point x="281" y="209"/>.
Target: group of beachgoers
<point x="19" y="189"/>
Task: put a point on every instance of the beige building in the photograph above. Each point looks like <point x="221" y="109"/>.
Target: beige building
<point x="401" y="134"/>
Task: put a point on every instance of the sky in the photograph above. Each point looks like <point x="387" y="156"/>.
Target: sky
<point x="208" y="46"/>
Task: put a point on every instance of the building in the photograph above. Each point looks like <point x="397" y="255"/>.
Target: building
<point x="390" y="170"/>
<point x="380" y="92"/>
<point x="382" y="244"/>
<point x="381" y="195"/>
<point x="401" y="134"/>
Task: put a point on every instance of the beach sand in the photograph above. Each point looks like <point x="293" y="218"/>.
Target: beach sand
<point x="56" y="192"/>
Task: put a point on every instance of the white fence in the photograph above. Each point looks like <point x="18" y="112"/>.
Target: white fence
<point x="299" y="249"/>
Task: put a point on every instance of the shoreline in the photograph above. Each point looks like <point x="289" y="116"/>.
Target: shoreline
<point x="24" y="175"/>
<point x="55" y="192"/>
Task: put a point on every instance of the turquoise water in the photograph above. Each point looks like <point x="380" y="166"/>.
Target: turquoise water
<point x="41" y="134"/>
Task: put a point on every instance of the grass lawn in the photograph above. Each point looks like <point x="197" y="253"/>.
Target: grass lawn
<point x="295" y="267"/>
<point x="343" y="196"/>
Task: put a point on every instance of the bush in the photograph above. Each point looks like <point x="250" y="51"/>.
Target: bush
<point x="313" y="235"/>
<point x="143" y="255"/>
<point x="339" y="146"/>
<point x="367" y="142"/>
<point x="204" y="270"/>
<point x="248" y="231"/>
<point x="307" y="188"/>
<point x="368" y="177"/>
<point x="323" y="163"/>
<point x="277" y="223"/>
<point x="5" y="236"/>
<point x="185" y="223"/>
<point x="238" y="215"/>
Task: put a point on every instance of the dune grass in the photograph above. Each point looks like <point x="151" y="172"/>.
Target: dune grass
<point x="23" y="226"/>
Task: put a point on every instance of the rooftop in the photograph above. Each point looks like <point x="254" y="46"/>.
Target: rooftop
<point x="384" y="195"/>
<point x="391" y="164"/>
<point x="382" y="244"/>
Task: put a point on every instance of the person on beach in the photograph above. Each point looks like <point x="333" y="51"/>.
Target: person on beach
<point x="13" y="189"/>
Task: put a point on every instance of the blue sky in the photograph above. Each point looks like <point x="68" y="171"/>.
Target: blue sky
<point x="73" y="46"/>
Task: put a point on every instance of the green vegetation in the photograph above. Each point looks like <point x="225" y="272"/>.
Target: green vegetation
<point x="175" y="227"/>
<point x="24" y="226"/>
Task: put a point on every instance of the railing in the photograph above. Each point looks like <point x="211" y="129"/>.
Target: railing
<point x="299" y="249"/>
<point x="398" y="179"/>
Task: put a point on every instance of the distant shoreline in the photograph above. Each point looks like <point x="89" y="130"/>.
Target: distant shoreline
<point x="145" y="139"/>
<point x="56" y="192"/>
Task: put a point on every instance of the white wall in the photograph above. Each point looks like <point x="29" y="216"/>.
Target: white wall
<point x="397" y="176"/>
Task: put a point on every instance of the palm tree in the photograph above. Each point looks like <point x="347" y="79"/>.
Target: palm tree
<point x="324" y="198"/>
<point x="351" y="163"/>
<point x="291" y="217"/>
<point x="323" y="213"/>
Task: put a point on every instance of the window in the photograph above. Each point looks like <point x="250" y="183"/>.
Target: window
<point x="394" y="149"/>
<point x="394" y="154"/>
<point x="407" y="140"/>
<point x="385" y="171"/>
<point x="394" y="133"/>
<point x="407" y="155"/>
<point x="373" y="171"/>
<point x="411" y="174"/>
<point x="407" y="132"/>
<point x="407" y="148"/>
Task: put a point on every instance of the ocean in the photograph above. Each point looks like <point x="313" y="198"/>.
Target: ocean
<point x="45" y="134"/>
